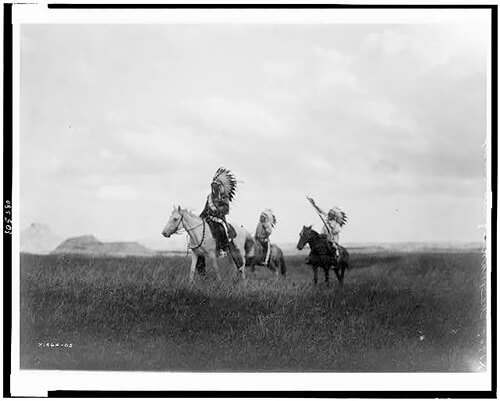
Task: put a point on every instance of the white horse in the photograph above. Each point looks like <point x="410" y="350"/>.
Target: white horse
<point x="201" y="242"/>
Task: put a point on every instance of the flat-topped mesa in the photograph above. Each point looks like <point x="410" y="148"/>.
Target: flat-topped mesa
<point x="126" y="248"/>
<point x="85" y="244"/>
<point x="90" y="245"/>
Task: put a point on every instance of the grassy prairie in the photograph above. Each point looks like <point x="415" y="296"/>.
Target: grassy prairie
<point x="396" y="312"/>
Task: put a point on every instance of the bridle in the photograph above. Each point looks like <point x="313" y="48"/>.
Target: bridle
<point x="188" y="229"/>
<point x="305" y="238"/>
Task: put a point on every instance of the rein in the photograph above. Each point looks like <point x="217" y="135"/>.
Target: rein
<point x="192" y="228"/>
<point x="202" y="236"/>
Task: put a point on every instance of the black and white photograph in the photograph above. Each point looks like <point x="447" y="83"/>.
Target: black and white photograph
<point x="236" y="191"/>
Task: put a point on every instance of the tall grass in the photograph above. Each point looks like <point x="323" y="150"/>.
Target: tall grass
<point x="396" y="312"/>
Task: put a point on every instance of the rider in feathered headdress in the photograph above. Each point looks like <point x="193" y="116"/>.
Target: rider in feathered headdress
<point x="223" y="189"/>
<point x="264" y="229"/>
<point x="333" y="222"/>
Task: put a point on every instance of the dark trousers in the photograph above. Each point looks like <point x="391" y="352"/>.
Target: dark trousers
<point x="219" y="234"/>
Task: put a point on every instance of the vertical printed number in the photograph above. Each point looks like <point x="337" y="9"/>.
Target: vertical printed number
<point x="7" y="217"/>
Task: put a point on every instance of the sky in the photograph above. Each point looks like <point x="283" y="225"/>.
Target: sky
<point x="120" y="122"/>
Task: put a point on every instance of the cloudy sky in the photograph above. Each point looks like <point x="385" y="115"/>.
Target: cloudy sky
<point x="119" y="122"/>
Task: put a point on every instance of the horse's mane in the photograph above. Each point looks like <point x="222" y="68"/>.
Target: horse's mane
<point x="181" y="209"/>
<point x="314" y="232"/>
<point x="316" y="236"/>
<point x="190" y="212"/>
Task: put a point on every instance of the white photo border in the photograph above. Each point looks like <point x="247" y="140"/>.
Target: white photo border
<point x="38" y="383"/>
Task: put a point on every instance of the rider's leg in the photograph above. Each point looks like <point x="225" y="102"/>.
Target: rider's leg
<point x="335" y="247"/>
<point x="221" y="233"/>
<point x="336" y="244"/>
<point x="231" y="246"/>
<point x="337" y="252"/>
<point x="268" y="252"/>
<point x="226" y="230"/>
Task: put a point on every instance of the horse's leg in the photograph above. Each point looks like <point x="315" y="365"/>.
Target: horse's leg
<point x="327" y="276"/>
<point x="200" y="265"/>
<point x="241" y="269"/>
<point x="315" y="270"/>
<point x="249" y="261"/>
<point x="252" y="267"/>
<point x="338" y="273"/>
<point x="216" y="266"/>
<point x="342" y="273"/>
<point x="274" y="261"/>
<point x="273" y="266"/>
<point x="239" y="248"/>
<point x="194" y="260"/>
<point x="282" y="264"/>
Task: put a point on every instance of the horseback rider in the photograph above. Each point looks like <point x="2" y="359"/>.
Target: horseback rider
<point x="215" y="211"/>
<point x="333" y="227"/>
<point x="333" y="222"/>
<point x="223" y="188"/>
<point x="264" y="230"/>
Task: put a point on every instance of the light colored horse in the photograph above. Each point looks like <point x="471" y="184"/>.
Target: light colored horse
<point x="201" y="241"/>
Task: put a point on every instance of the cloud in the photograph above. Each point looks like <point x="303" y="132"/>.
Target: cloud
<point x="283" y="69"/>
<point x="172" y="145"/>
<point x="319" y="164"/>
<point x="386" y="167"/>
<point x="384" y="113"/>
<point x="239" y="117"/>
<point x="334" y="70"/>
<point x="461" y="47"/>
<point x="388" y="41"/>
<point x="120" y="193"/>
<point x="371" y="117"/>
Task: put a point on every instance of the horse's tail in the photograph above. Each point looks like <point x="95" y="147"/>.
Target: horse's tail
<point x="249" y="244"/>
<point x="282" y="264"/>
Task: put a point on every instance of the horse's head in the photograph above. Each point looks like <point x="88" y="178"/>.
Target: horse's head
<point x="174" y="222"/>
<point x="304" y="237"/>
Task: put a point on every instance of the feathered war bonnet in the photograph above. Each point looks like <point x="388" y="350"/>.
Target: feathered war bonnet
<point x="225" y="180"/>
<point x="270" y="217"/>
<point x="338" y="215"/>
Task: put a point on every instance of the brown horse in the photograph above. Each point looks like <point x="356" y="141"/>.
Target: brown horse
<point x="276" y="259"/>
<point x="322" y="255"/>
